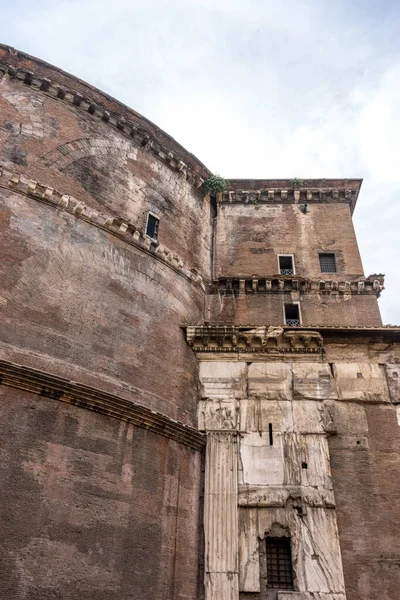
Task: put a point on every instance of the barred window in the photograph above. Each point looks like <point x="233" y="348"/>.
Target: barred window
<point x="279" y="563"/>
<point x="286" y="264"/>
<point x="152" y="226"/>
<point x="328" y="263"/>
<point x="292" y="314"/>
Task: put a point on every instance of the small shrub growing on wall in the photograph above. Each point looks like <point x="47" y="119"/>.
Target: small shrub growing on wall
<point x="297" y="183"/>
<point x="215" y="184"/>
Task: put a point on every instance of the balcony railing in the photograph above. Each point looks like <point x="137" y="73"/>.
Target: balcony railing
<point x="286" y="271"/>
<point x="292" y="321"/>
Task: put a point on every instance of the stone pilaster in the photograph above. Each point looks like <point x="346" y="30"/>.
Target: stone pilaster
<point x="221" y="517"/>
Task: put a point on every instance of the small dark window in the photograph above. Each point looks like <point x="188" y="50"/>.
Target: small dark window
<point x="152" y="226"/>
<point x="328" y="263"/>
<point x="286" y="265"/>
<point x="292" y="314"/>
<point x="279" y="563"/>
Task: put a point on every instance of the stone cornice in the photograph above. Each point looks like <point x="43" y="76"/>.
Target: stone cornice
<point x="281" y="340"/>
<point x="57" y="388"/>
<point x="284" y="191"/>
<point x="267" y="340"/>
<point x="371" y="285"/>
<point x="117" y="226"/>
<point x="141" y="134"/>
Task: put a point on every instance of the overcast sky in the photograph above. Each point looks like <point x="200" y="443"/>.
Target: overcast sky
<point x="255" y="88"/>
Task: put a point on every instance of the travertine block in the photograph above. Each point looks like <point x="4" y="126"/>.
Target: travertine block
<point x="320" y="556"/>
<point x="223" y="379"/>
<point x="261" y="462"/>
<point x="308" y="416"/>
<point x="364" y="382"/>
<point x="257" y="413"/>
<point x="313" y="455"/>
<point x="393" y="379"/>
<point x="249" y="562"/>
<point x="313" y="381"/>
<point x="271" y="380"/>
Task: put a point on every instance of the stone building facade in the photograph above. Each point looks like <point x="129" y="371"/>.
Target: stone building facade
<point x="198" y="396"/>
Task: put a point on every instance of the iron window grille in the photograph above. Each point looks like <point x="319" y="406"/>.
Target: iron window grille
<point x="286" y="265"/>
<point x="327" y="263"/>
<point x="279" y="563"/>
<point x="152" y="226"/>
<point x="292" y="314"/>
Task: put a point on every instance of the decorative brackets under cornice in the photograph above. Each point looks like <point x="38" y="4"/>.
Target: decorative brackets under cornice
<point x="270" y="340"/>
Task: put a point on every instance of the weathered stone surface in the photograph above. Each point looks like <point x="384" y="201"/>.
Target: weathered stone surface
<point x="257" y="413"/>
<point x="216" y="415"/>
<point x="223" y="379"/>
<point x="261" y="463"/>
<point x="271" y="380"/>
<point x="393" y="379"/>
<point x="220" y="518"/>
<point x="363" y="382"/>
<point x="90" y="505"/>
<point x="313" y="381"/>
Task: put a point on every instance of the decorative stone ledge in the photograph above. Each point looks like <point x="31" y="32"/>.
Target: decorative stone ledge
<point x="140" y="135"/>
<point x="57" y="388"/>
<point x="118" y="226"/>
<point x="280" y="496"/>
<point x="303" y="196"/>
<point x="270" y="340"/>
<point x="371" y="285"/>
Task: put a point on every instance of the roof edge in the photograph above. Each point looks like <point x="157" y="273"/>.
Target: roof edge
<point x="21" y="60"/>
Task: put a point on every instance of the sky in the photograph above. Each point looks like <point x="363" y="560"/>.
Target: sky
<point x="253" y="88"/>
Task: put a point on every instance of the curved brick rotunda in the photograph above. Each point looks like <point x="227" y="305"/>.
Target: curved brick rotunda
<point x="198" y="397"/>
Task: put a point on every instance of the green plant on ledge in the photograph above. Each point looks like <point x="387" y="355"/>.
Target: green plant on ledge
<point x="215" y="184"/>
<point x="296" y="182"/>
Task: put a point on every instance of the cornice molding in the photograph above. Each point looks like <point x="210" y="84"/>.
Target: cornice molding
<point x="268" y="340"/>
<point x="142" y="136"/>
<point x="288" y="195"/>
<point x="57" y="388"/>
<point x="117" y="226"/>
<point x="371" y="285"/>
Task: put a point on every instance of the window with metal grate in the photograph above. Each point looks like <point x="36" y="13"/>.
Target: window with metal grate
<point x="152" y="226"/>
<point x="292" y="314"/>
<point x="327" y="263"/>
<point x="279" y="563"/>
<point x="286" y="264"/>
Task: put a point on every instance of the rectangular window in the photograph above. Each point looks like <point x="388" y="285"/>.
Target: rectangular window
<point x="292" y="314"/>
<point x="279" y="563"/>
<point x="152" y="226"/>
<point x="286" y="266"/>
<point x="328" y="263"/>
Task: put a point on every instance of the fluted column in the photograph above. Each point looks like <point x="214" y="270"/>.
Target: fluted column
<point x="221" y="517"/>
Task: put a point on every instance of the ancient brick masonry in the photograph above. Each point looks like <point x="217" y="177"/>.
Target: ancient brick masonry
<point x="198" y="397"/>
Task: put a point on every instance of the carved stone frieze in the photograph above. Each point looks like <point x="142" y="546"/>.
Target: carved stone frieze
<point x="217" y="415"/>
